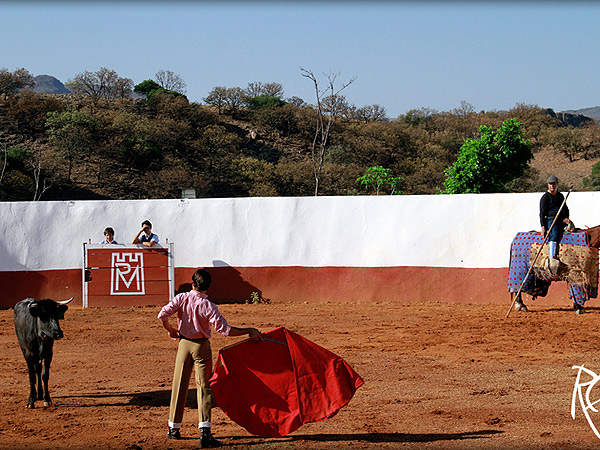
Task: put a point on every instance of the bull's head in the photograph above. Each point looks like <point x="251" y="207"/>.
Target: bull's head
<point x="48" y="313"/>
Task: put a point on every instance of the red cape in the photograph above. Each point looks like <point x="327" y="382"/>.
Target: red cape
<point x="273" y="387"/>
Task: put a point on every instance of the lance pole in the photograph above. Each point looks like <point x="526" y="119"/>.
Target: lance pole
<point x="538" y="253"/>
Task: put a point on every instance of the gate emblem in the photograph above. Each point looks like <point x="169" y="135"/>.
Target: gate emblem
<point x="127" y="274"/>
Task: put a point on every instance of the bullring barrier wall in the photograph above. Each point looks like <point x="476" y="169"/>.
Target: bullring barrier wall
<point x="448" y="248"/>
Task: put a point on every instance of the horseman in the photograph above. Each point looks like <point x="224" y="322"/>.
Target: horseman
<point x="549" y="208"/>
<point x="554" y="216"/>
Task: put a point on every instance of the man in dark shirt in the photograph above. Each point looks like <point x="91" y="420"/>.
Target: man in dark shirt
<point x="549" y="208"/>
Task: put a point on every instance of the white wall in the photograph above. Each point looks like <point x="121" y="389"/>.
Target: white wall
<point x="469" y="231"/>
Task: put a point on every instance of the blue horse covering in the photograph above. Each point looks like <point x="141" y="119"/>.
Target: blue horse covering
<point x="520" y="255"/>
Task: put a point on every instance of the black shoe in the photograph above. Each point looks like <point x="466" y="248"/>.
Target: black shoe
<point x="173" y="433"/>
<point x="209" y="441"/>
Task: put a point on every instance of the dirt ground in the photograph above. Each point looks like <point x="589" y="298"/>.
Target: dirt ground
<point x="437" y="376"/>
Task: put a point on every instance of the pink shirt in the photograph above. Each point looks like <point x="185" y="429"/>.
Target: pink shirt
<point x="195" y="314"/>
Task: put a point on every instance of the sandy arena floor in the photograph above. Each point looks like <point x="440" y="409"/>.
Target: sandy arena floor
<point x="437" y="376"/>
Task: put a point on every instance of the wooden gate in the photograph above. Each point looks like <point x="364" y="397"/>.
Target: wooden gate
<point x="127" y="275"/>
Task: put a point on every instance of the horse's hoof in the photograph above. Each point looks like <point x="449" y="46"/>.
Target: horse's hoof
<point x="520" y="307"/>
<point x="47" y="403"/>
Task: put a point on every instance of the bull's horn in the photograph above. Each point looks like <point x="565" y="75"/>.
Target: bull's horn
<point x="64" y="302"/>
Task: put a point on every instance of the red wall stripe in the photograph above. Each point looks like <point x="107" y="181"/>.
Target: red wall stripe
<point x="308" y="284"/>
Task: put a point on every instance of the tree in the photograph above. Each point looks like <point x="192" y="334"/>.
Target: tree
<point x="265" y="101"/>
<point x="338" y="105"/>
<point x="593" y="181"/>
<point x="254" y="176"/>
<point x="296" y="101"/>
<point x="590" y="141"/>
<point x="325" y="119"/>
<point x="486" y="164"/>
<point x="464" y="110"/>
<point x="161" y="93"/>
<point x="216" y="97"/>
<point x="12" y="82"/>
<point x="15" y="182"/>
<point x="134" y="141"/>
<point x="36" y="161"/>
<point x="27" y="112"/>
<point x="257" y="88"/>
<point x="281" y="118"/>
<point x="146" y="86"/>
<point x="273" y="89"/>
<point x="564" y="139"/>
<point x="222" y="97"/>
<point x="378" y="177"/>
<point x="170" y="81"/>
<point x="418" y="117"/>
<point x="104" y="83"/>
<point x="293" y="178"/>
<point x="372" y="113"/>
<point x="73" y="134"/>
<point x="234" y="98"/>
<point x="214" y="151"/>
<point x="4" y="161"/>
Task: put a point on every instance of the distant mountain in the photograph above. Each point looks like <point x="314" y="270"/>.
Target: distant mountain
<point x="46" y="84"/>
<point x="571" y="119"/>
<point x="593" y="112"/>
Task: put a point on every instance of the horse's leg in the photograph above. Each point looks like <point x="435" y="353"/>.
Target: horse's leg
<point x="579" y="295"/>
<point x="519" y="305"/>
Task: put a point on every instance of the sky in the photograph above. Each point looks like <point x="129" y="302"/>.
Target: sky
<point x="402" y="55"/>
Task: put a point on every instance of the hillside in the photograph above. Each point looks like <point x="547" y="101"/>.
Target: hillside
<point x="70" y="146"/>
<point x="549" y="162"/>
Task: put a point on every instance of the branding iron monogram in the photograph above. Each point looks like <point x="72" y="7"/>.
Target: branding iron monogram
<point x="127" y="274"/>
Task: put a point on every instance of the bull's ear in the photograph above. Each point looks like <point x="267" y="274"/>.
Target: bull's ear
<point x="34" y="309"/>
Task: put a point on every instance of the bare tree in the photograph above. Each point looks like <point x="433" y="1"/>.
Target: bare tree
<point x="296" y="101"/>
<point x="273" y="89"/>
<point x="123" y="88"/>
<point x="5" y="163"/>
<point x="327" y="112"/>
<point x="464" y="110"/>
<point x="222" y="97"/>
<point x="257" y="88"/>
<point x="217" y="97"/>
<point x="170" y="81"/>
<point x="371" y="113"/>
<point x="36" y="164"/>
<point x="104" y="83"/>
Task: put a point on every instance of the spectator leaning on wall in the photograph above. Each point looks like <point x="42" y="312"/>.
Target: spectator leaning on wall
<point x="145" y="236"/>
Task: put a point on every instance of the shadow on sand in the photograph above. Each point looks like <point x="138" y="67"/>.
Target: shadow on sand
<point x="161" y="398"/>
<point x="372" y="437"/>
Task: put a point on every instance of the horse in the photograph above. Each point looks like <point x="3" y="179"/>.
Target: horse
<point x="579" y="266"/>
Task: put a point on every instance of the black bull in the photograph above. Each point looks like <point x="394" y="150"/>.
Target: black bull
<point x="36" y="324"/>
